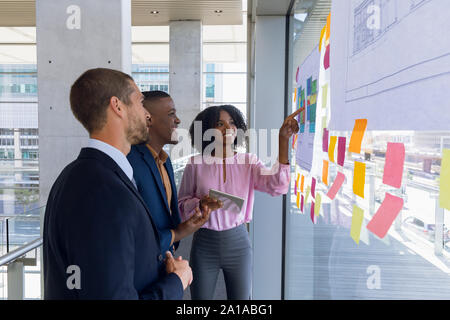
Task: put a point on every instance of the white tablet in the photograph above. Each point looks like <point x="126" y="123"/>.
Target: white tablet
<point x="231" y="203"/>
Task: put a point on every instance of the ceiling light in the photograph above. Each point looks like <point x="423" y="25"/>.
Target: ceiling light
<point x="154" y="12"/>
<point x="218" y="11"/>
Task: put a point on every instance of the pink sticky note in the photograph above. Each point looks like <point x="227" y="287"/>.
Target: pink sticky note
<point x="341" y="151"/>
<point x="301" y="205"/>
<point x="385" y="216"/>
<point x="326" y="59"/>
<point x="337" y="184"/>
<point x="312" y="211"/>
<point x="393" y="166"/>
<point x="295" y="187"/>
<point x="325" y="140"/>
<point x="313" y="188"/>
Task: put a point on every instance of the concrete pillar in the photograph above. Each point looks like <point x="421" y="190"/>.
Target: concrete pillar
<point x="72" y="37"/>
<point x="186" y="69"/>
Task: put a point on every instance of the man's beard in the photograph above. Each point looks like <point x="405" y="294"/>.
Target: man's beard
<point x="137" y="132"/>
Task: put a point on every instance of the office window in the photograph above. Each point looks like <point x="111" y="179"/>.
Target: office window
<point x="150" y="58"/>
<point x="18" y="117"/>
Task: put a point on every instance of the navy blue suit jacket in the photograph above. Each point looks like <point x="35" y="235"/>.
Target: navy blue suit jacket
<point x="151" y="187"/>
<point x="96" y="220"/>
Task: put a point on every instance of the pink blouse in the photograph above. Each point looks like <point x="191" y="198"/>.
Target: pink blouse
<point x="244" y="174"/>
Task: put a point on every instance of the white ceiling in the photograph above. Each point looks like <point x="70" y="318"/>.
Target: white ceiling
<point x="21" y="13"/>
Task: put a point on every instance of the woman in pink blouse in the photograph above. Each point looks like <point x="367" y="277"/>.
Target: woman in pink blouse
<point x="223" y="242"/>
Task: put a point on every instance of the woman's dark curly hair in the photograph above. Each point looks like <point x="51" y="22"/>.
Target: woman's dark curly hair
<point x="209" y="119"/>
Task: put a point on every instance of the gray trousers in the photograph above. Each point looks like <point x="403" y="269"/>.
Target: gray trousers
<point x="229" y="250"/>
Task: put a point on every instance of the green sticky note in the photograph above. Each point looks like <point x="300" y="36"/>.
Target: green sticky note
<point x="308" y="190"/>
<point x="357" y="220"/>
<point x="317" y="204"/>
<point x="324" y="95"/>
<point x="444" y="184"/>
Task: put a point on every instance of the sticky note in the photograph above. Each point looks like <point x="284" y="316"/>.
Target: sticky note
<point x="324" y="95"/>
<point x="393" y="165"/>
<point x="326" y="59"/>
<point x="308" y="190"/>
<point x="322" y="34"/>
<point x="301" y="205"/>
<point x="298" y="200"/>
<point x="296" y="75"/>
<point x="359" y="178"/>
<point x="312" y="212"/>
<point x="328" y="26"/>
<point x="357" y="135"/>
<point x="325" y="172"/>
<point x="324" y="122"/>
<point x="341" y="150"/>
<point x="302" y="183"/>
<point x="313" y="188"/>
<point x="385" y="215"/>
<point x="444" y="181"/>
<point x="294" y="141"/>
<point x="357" y="220"/>
<point x="296" y="184"/>
<point x="317" y="204"/>
<point x="325" y="140"/>
<point x="337" y="184"/>
<point x="331" y="148"/>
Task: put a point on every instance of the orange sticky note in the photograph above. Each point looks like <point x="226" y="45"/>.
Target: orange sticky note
<point x="322" y="33"/>
<point x="295" y="95"/>
<point x="302" y="183"/>
<point x="327" y="37"/>
<point x="357" y="135"/>
<point x="359" y="178"/>
<point x="325" y="172"/>
<point x="331" y="148"/>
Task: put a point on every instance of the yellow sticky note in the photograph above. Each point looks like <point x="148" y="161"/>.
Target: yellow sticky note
<point x="322" y="34"/>
<point x="295" y="95"/>
<point x="324" y="95"/>
<point x="317" y="204"/>
<point x="331" y="148"/>
<point x="308" y="190"/>
<point x="313" y="99"/>
<point x="324" y="123"/>
<point x="298" y="200"/>
<point x="444" y="183"/>
<point x="357" y="220"/>
<point x="359" y="178"/>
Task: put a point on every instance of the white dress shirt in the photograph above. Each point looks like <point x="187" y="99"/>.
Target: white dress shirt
<point x="115" y="154"/>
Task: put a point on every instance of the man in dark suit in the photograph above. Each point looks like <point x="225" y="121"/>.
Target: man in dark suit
<point x="154" y="176"/>
<point x="100" y="241"/>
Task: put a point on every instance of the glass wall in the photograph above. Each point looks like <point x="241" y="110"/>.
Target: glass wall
<point x="150" y="58"/>
<point x="19" y="135"/>
<point x="322" y="259"/>
<point x="19" y="151"/>
<point x="225" y="65"/>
